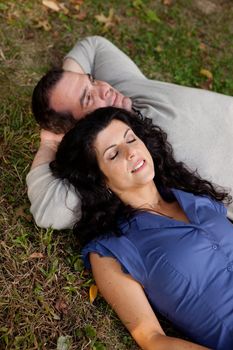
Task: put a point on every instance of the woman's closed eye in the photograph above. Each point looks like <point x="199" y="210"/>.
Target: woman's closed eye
<point x="113" y="155"/>
<point x="131" y="139"/>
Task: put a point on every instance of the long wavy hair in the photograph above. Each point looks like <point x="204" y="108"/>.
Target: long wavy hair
<point x="76" y="161"/>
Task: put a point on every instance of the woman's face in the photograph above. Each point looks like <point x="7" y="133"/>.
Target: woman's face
<point x="123" y="158"/>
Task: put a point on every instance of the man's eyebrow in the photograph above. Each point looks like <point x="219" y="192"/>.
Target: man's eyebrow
<point x="115" y="144"/>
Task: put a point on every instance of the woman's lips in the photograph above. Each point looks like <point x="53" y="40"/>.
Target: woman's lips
<point x="139" y="165"/>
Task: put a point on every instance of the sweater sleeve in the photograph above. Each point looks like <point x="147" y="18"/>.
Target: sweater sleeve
<point x="54" y="203"/>
<point x="99" y="57"/>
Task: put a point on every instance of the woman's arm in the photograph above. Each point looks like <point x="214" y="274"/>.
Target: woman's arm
<point x="127" y="298"/>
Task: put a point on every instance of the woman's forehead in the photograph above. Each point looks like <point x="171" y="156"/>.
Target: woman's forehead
<point x="112" y="134"/>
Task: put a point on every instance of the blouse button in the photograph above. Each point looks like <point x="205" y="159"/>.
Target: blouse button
<point x="215" y="246"/>
<point x="229" y="267"/>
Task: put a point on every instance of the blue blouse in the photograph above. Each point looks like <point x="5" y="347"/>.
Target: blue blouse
<point x="186" y="269"/>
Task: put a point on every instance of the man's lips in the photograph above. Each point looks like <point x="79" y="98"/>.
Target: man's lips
<point x="115" y="99"/>
<point x="120" y="101"/>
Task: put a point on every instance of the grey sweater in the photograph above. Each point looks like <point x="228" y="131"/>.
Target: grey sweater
<point x="199" y="124"/>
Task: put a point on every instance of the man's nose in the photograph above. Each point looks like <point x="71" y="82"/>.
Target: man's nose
<point x="104" y="90"/>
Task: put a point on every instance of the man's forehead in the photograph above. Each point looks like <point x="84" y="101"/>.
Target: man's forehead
<point x="74" y="76"/>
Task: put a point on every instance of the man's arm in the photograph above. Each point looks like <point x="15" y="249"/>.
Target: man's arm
<point x="53" y="202"/>
<point x="127" y="298"/>
<point x="94" y="55"/>
<point x="99" y="57"/>
<point x="71" y="65"/>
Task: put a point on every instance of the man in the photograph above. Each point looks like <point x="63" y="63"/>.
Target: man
<point x="199" y="123"/>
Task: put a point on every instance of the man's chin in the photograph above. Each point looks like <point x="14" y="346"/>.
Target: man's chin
<point x="127" y="104"/>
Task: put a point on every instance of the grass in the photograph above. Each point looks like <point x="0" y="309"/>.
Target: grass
<point x="44" y="302"/>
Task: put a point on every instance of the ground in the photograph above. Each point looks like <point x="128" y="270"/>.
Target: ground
<point x="44" y="291"/>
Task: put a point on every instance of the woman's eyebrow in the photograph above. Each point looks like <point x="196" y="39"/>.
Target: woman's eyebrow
<point x="114" y="145"/>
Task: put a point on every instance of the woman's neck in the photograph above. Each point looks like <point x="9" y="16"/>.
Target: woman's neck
<point x="146" y="197"/>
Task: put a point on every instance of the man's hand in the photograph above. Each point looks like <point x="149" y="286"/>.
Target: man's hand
<point x="49" y="142"/>
<point x="47" y="137"/>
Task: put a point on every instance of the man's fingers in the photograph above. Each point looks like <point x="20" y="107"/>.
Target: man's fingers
<point x="46" y="136"/>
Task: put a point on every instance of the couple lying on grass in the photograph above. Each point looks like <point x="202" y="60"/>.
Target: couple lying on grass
<point x="154" y="232"/>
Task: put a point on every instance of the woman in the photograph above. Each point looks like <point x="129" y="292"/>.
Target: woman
<point x="155" y="234"/>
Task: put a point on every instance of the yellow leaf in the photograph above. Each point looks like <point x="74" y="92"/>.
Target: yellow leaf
<point x="64" y="9"/>
<point x="108" y="21"/>
<point x="51" y="5"/>
<point x="206" y="73"/>
<point x="93" y="291"/>
<point x="43" y="24"/>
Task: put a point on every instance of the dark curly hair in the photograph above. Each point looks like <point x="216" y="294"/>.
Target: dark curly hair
<point x="76" y="161"/>
<point x="47" y="117"/>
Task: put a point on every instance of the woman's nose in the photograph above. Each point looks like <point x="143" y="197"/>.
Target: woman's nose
<point x="130" y="153"/>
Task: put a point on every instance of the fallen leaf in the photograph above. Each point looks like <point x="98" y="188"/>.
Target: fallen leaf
<point x="167" y="2"/>
<point x="76" y="2"/>
<point x="93" y="291"/>
<point x="81" y="15"/>
<point x="206" y="73"/>
<point x="202" y="46"/>
<point x="108" y="21"/>
<point x="44" y="25"/>
<point x="61" y="306"/>
<point x="64" y="9"/>
<point x="77" y="7"/>
<point x="21" y="213"/>
<point x="36" y="256"/>
<point x="55" y="34"/>
<point x="52" y="5"/>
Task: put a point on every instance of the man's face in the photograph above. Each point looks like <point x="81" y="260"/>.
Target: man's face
<point x="80" y="94"/>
